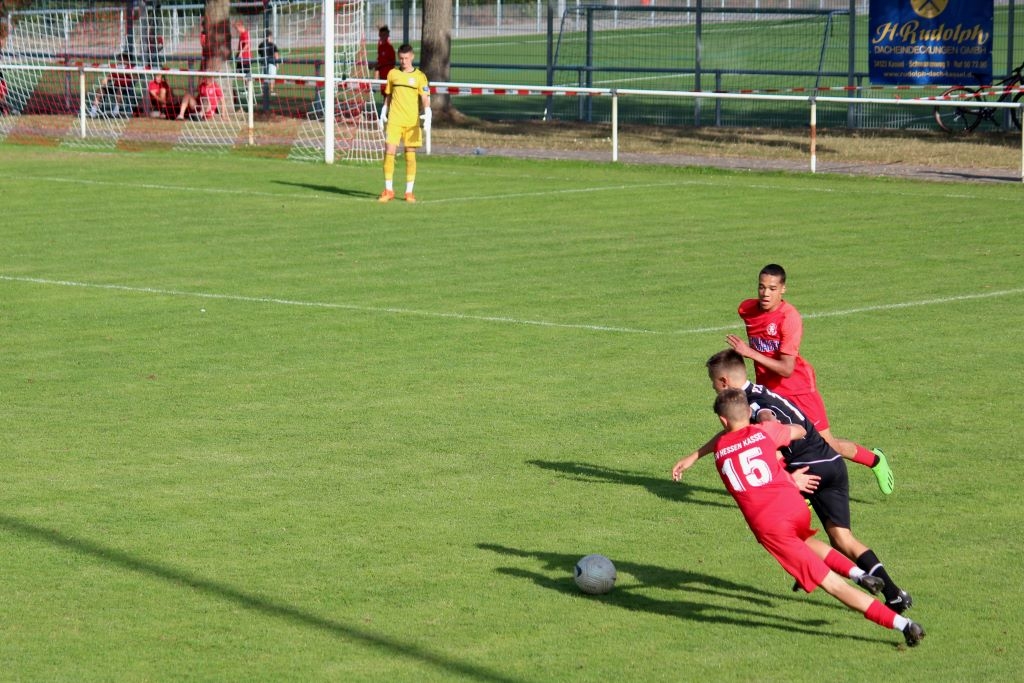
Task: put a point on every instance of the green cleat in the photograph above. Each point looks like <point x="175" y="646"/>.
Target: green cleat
<point x="883" y="473"/>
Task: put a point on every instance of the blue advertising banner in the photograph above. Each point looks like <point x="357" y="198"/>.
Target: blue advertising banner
<point x="921" y="42"/>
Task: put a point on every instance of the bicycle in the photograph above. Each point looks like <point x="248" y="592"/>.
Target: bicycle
<point x="962" y="120"/>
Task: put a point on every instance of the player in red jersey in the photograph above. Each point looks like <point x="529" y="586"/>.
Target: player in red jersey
<point x="748" y="461"/>
<point x="385" y="56"/>
<point x="161" y="97"/>
<point x="244" y="54"/>
<point x="774" y="331"/>
<point x="203" y="106"/>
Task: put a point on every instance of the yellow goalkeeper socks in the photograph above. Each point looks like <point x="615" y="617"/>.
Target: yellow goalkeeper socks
<point x="389" y="168"/>
<point x="410" y="169"/>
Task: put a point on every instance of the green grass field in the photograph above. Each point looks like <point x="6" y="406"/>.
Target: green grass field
<point x="257" y="426"/>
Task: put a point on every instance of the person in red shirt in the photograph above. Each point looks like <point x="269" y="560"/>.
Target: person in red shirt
<point x="161" y="97"/>
<point x="204" y="105"/>
<point x="774" y="331"/>
<point x="244" y="48"/>
<point x="385" y="55"/>
<point x="747" y="459"/>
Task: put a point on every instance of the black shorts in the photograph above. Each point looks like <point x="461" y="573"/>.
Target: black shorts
<point x="831" y="501"/>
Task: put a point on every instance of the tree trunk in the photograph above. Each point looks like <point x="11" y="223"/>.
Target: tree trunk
<point x="436" y="52"/>
<point x="217" y="51"/>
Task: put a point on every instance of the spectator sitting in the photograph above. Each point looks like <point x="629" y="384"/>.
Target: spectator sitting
<point x="4" y="109"/>
<point x="203" y="106"/>
<point x="161" y="98"/>
<point x="120" y="86"/>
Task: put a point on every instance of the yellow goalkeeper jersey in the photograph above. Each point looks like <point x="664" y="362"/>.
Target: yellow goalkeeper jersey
<point x="406" y="89"/>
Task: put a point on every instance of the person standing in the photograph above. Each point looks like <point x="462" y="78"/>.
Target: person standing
<point x="385" y="55"/>
<point x="406" y="94"/>
<point x="747" y="461"/>
<point x="269" y="58"/>
<point x="244" y="54"/>
<point x="774" y="332"/>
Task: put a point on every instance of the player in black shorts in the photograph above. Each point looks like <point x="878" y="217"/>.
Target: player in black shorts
<point x="831" y="498"/>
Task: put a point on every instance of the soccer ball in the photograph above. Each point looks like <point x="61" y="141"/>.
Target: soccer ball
<point x="595" y="574"/>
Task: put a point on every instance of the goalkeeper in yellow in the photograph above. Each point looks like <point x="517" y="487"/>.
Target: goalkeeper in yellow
<point x="405" y="93"/>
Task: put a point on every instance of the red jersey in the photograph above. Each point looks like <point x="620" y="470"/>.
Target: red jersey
<point x="776" y="333"/>
<point x="755" y="477"/>
<point x="385" y="58"/>
<point x="156" y="87"/>
<point x="209" y="91"/>
<point x="244" y="48"/>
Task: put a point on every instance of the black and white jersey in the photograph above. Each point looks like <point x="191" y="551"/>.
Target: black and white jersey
<point x="810" y="450"/>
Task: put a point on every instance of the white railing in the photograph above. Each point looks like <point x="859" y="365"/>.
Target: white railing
<point x="500" y="89"/>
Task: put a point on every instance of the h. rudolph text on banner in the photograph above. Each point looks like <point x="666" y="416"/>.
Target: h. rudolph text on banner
<point x="920" y="42"/>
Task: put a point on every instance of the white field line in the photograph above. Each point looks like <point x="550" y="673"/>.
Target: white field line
<point x="492" y="319"/>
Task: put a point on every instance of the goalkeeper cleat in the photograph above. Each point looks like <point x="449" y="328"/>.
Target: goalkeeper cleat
<point x="901" y="603"/>
<point x="913" y="633"/>
<point x="872" y="584"/>
<point x="386" y="196"/>
<point x="883" y="473"/>
<point x="409" y="197"/>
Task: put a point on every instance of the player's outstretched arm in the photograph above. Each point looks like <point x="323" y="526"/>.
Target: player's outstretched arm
<point x="689" y="461"/>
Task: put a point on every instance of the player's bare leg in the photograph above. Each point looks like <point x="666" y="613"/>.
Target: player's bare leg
<point x="843" y="540"/>
<point x="872" y="609"/>
<point x="854" y="452"/>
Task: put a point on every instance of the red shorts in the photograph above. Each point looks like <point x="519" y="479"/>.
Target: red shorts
<point x="782" y="534"/>
<point x="813" y="408"/>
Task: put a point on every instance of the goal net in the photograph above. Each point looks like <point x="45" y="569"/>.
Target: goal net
<point x="87" y="73"/>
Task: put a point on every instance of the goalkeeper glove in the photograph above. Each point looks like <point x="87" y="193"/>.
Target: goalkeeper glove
<point x="383" y="118"/>
<point x="426" y="116"/>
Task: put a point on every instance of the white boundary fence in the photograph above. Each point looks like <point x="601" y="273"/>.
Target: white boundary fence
<point x="492" y="89"/>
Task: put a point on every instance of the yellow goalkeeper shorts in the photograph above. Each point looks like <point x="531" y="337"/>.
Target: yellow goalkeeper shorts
<point x="410" y="136"/>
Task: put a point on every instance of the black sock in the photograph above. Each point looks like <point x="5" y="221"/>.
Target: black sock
<point x="870" y="563"/>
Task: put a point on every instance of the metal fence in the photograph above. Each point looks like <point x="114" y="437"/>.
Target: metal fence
<point x="528" y="42"/>
<point x="684" y="45"/>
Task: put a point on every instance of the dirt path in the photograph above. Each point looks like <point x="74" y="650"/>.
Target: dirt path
<point x="922" y="155"/>
<point x="895" y="170"/>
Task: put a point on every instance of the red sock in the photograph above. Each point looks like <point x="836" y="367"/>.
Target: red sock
<point x="838" y="563"/>
<point x="864" y="457"/>
<point x="880" y="614"/>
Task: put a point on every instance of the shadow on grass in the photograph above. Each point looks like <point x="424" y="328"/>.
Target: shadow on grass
<point x="759" y="615"/>
<point x="330" y="189"/>
<point x="663" y="487"/>
<point x="256" y="603"/>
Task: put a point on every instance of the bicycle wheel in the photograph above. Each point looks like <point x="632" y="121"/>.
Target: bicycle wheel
<point x="1015" y="113"/>
<point x="958" y="120"/>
